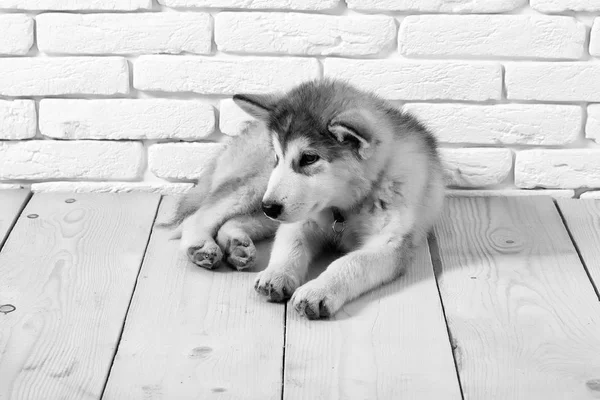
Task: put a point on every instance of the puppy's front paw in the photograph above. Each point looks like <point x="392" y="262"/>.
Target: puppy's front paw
<point x="277" y="285"/>
<point x="315" y="301"/>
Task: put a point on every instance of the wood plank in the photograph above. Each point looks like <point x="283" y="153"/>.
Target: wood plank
<point x="523" y="316"/>
<point x="389" y="344"/>
<point x="197" y="334"/>
<point x="11" y="204"/>
<point x="69" y="268"/>
<point x="583" y="221"/>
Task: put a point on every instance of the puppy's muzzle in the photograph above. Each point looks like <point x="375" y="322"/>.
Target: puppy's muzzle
<point x="272" y="210"/>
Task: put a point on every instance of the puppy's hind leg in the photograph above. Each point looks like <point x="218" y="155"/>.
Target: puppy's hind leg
<point x="198" y="243"/>
<point x="236" y="238"/>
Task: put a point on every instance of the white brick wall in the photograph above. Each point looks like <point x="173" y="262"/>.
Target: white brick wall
<point x="49" y="159"/>
<point x="18" y="119"/>
<point x="291" y="33"/>
<point x="41" y="76"/>
<point x="76" y="5"/>
<point x="17" y="34"/>
<point x="437" y="6"/>
<point x="558" y="6"/>
<point x="255" y="4"/>
<point x="572" y="168"/>
<point x="117" y="119"/>
<point x="106" y="95"/>
<point x="492" y="35"/>
<point x="426" y="80"/>
<point x="141" y="33"/>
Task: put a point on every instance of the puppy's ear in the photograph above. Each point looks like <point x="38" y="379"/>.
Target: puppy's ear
<point x="354" y="126"/>
<point x="259" y="106"/>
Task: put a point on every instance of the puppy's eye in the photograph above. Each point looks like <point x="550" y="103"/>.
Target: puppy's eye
<point x="308" y="159"/>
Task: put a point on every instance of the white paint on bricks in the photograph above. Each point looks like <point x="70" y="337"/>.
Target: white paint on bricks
<point x="55" y="159"/>
<point x="437" y="6"/>
<point x="11" y="186"/>
<point x="140" y="33"/>
<point x="182" y="161"/>
<point x="554" y="193"/>
<point x="304" y="34"/>
<point x="548" y="81"/>
<point x="592" y="128"/>
<point x="501" y="124"/>
<point x="218" y="75"/>
<point x="476" y="167"/>
<point x="16" y="36"/>
<point x="592" y="194"/>
<point x="595" y="38"/>
<point x="128" y="119"/>
<point x="17" y="119"/>
<point x="557" y="6"/>
<point x="566" y="168"/>
<point x="425" y="80"/>
<point x="255" y="4"/>
<point x="492" y="36"/>
<point x="45" y="76"/>
<point x="162" y="188"/>
<point x="77" y="5"/>
<point x="264" y="46"/>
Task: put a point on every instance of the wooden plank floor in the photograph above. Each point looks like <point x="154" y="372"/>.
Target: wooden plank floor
<point x="105" y="306"/>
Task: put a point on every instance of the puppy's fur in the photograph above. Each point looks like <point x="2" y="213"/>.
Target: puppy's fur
<point x="321" y="152"/>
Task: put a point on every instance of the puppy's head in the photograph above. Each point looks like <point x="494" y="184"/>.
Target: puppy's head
<point x="322" y="140"/>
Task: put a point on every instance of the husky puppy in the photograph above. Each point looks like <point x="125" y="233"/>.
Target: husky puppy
<point x="327" y="165"/>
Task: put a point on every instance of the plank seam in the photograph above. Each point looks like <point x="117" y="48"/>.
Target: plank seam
<point x="112" y="362"/>
<point x="15" y="220"/>
<point x="436" y="262"/>
<point x="285" y="309"/>
<point x="583" y="263"/>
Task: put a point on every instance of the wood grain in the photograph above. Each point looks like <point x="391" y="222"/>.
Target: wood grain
<point x="69" y="268"/>
<point x="11" y="204"/>
<point x="523" y="316"/>
<point x="583" y="221"/>
<point x="389" y="344"/>
<point x="192" y="333"/>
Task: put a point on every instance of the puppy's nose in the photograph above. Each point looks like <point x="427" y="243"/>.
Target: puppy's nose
<point x="272" y="210"/>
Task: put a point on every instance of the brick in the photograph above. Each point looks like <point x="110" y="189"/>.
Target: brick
<point x="138" y="33"/>
<point x="77" y="5"/>
<point x="304" y="34"/>
<point x="595" y="38"/>
<point x="183" y="161"/>
<point x="567" y="169"/>
<point x="426" y="80"/>
<point x="44" y="76"/>
<point x="212" y="75"/>
<point x="558" y="6"/>
<point x="17" y="34"/>
<point x="17" y="119"/>
<point x="118" y="119"/>
<point x="592" y="194"/>
<point x="515" y="36"/>
<point x="232" y="119"/>
<point x="255" y="4"/>
<point x="162" y="188"/>
<point x="524" y="124"/>
<point x="568" y="81"/>
<point x="50" y="159"/>
<point x="11" y="186"/>
<point x="554" y="193"/>
<point x="476" y="167"/>
<point x="437" y="6"/>
<point x="592" y="127"/>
